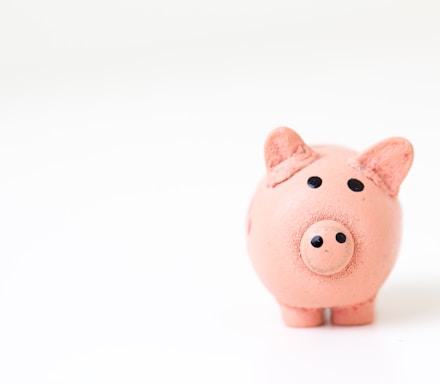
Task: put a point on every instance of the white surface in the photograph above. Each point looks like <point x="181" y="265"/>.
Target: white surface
<point x="131" y="137"/>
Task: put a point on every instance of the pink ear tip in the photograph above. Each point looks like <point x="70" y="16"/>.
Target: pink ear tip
<point x="405" y="143"/>
<point x="281" y="143"/>
<point x="282" y="133"/>
<point x="405" y="148"/>
<point x="409" y="149"/>
<point x="387" y="163"/>
<point x="283" y="130"/>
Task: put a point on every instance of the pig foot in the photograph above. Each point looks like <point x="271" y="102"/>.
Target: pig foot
<point x="302" y="317"/>
<point x="359" y="314"/>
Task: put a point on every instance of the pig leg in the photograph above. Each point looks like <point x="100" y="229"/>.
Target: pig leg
<point x="302" y="317"/>
<point x="358" y="314"/>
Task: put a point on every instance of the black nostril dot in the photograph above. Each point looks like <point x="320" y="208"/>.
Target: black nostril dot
<point x="340" y="237"/>
<point x="316" y="241"/>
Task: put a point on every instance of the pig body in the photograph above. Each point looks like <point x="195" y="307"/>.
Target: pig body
<point x="324" y="226"/>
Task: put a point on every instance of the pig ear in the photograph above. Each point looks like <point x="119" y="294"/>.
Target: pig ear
<point x="285" y="154"/>
<point x="387" y="163"/>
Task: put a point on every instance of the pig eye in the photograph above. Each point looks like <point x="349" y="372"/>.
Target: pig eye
<point x="355" y="185"/>
<point x="314" y="182"/>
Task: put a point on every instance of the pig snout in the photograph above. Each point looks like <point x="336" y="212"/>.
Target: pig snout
<point x="327" y="247"/>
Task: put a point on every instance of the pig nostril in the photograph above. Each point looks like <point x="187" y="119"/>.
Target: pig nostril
<point x="340" y="237"/>
<point x="317" y="241"/>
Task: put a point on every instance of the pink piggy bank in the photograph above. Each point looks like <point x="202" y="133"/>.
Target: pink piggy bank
<point x="324" y="226"/>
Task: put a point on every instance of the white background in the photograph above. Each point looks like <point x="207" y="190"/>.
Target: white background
<point x="131" y="136"/>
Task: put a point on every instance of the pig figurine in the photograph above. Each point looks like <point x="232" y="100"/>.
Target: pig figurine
<point x="324" y="226"/>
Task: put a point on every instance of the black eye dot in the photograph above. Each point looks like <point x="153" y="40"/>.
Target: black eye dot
<point x="314" y="182"/>
<point x="355" y="185"/>
<point x="316" y="241"/>
<point x="340" y="237"/>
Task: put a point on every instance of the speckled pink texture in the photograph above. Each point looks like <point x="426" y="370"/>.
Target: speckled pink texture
<point x="286" y="214"/>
